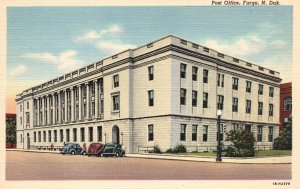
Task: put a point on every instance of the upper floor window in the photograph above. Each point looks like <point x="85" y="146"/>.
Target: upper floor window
<point x="205" y="100"/>
<point x="151" y="98"/>
<point x="260" y="108"/>
<point x="116" y="81"/>
<point x="287" y="103"/>
<point x="220" y="81"/>
<point x="182" y="70"/>
<point x="260" y="89"/>
<point x="271" y="91"/>
<point x="205" y="76"/>
<point x="20" y="108"/>
<point x="28" y="105"/>
<point x="194" y="98"/>
<point x="27" y="118"/>
<point x="248" y="86"/>
<point x="248" y="106"/>
<point x="235" y="83"/>
<point x="182" y="96"/>
<point x="270" y="109"/>
<point x="182" y="132"/>
<point x="220" y="102"/>
<point x="116" y="102"/>
<point x="194" y="73"/>
<point x="235" y="104"/>
<point x="151" y="72"/>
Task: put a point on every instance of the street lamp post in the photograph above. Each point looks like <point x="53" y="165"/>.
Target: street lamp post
<point x="219" y="156"/>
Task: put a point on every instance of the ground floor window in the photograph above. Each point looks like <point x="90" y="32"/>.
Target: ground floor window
<point x="236" y="126"/>
<point x="270" y="134"/>
<point x="55" y="135"/>
<point x="150" y="132"/>
<point x="44" y="136"/>
<point x="82" y="139"/>
<point x="99" y="133"/>
<point x="194" y="132"/>
<point x="90" y="134"/>
<point x="259" y="133"/>
<point x="182" y="132"/>
<point x="248" y="127"/>
<point x="67" y="135"/>
<point x="49" y="136"/>
<point x="205" y="133"/>
<point x="39" y="136"/>
<point x="61" y="132"/>
<point x="221" y="135"/>
<point x="21" y="138"/>
<point x="34" y="137"/>
<point x="74" y="134"/>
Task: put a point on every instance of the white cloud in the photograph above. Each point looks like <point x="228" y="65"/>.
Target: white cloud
<point x="18" y="70"/>
<point x="278" y="44"/>
<point x="111" y="47"/>
<point x="94" y="35"/>
<point x="65" y="61"/>
<point x="243" y="46"/>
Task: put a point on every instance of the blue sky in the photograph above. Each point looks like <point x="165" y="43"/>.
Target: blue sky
<point x="46" y="42"/>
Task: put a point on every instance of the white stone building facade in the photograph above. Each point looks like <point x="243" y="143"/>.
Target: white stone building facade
<point x="164" y="93"/>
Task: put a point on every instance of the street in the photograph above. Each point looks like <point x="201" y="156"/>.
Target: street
<point x="47" y="166"/>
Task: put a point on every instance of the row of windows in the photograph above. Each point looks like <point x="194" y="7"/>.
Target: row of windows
<point x="205" y="132"/>
<point x="220" y="80"/>
<point x="37" y="136"/>
<point x="220" y="102"/>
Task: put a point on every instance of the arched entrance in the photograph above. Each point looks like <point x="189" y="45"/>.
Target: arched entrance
<point x="28" y="141"/>
<point x="115" y="134"/>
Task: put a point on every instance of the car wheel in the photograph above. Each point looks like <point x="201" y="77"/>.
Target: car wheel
<point x="83" y="153"/>
<point x="73" y="152"/>
<point x="118" y="154"/>
<point x="123" y="155"/>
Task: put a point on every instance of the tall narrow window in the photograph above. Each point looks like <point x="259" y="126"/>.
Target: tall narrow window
<point x="150" y="73"/>
<point x="34" y="136"/>
<point x="236" y="126"/>
<point x="248" y="86"/>
<point x="116" y="81"/>
<point x="90" y="134"/>
<point x="150" y="132"/>
<point x="21" y="138"/>
<point x="259" y="133"/>
<point x="205" y="76"/>
<point x="55" y="135"/>
<point x="205" y="100"/>
<point x="271" y="91"/>
<point x="235" y="83"/>
<point x="61" y="133"/>
<point x="82" y="135"/>
<point x="44" y="136"/>
<point x="39" y="136"/>
<point x="220" y="102"/>
<point x="99" y="133"/>
<point x="248" y="106"/>
<point x="270" y="138"/>
<point x="235" y="104"/>
<point x="270" y="109"/>
<point x="220" y="80"/>
<point x="49" y="136"/>
<point x="182" y="132"/>
<point x="194" y="132"/>
<point x="182" y="70"/>
<point x="287" y="103"/>
<point x="74" y="134"/>
<point x="151" y="98"/>
<point x="182" y="96"/>
<point x="260" y="108"/>
<point x="221" y="134"/>
<point x="116" y="103"/>
<point x="260" y="89"/>
<point x="194" y="73"/>
<point x="194" y="98"/>
<point x="205" y="133"/>
<point x="67" y="135"/>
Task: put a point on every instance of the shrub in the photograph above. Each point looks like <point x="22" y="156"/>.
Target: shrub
<point x="284" y="140"/>
<point x="180" y="148"/>
<point x="242" y="143"/>
<point x="156" y="149"/>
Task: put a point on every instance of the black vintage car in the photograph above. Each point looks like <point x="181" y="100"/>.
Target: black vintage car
<point x="72" y="148"/>
<point x="113" y="149"/>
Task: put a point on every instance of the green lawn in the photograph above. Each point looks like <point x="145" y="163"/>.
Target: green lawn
<point x="257" y="153"/>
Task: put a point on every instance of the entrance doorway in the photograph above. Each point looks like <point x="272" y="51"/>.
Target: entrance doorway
<point x="28" y="141"/>
<point x="115" y="134"/>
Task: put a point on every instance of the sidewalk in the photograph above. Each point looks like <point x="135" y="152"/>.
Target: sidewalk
<point x="249" y="160"/>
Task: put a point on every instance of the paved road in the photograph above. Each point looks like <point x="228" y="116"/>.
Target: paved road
<point x="46" y="166"/>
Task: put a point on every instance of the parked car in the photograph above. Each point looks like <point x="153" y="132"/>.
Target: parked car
<point x="95" y="149"/>
<point x="113" y="149"/>
<point x="72" y="148"/>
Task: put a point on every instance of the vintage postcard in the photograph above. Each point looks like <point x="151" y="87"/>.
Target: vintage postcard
<point x="149" y="94"/>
